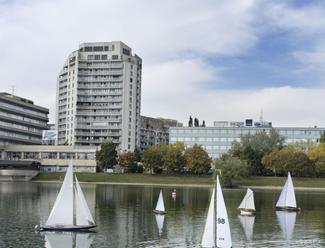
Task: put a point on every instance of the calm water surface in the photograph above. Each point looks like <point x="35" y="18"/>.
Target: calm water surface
<point x="125" y="219"/>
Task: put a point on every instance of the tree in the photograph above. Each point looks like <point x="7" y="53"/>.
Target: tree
<point x="252" y="148"/>
<point x="128" y="161"/>
<point x="152" y="159"/>
<point x="322" y="138"/>
<point x="190" y="122"/>
<point x="196" y="122"/>
<point x="317" y="155"/>
<point x="106" y="157"/>
<point x="197" y="159"/>
<point x="137" y="154"/>
<point x="203" y="124"/>
<point x="232" y="168"/>
<point x="173" y="157"/>
<point x="289" y="159"/>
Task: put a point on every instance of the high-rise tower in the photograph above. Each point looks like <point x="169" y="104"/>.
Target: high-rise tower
<point x="99" y="96"/>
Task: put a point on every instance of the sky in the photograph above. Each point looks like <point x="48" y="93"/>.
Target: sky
<point x="211" y="59"/>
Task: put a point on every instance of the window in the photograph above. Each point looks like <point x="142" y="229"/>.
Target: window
<point x="49" y="155"/>
<point x="97" y="57"/>
<point x="114" y="56"/>
<point x="88" y="49"/>
<point x="98" y="48"/>
<point x="90" y="57"/>
<point x="105" y="48"/>
<point x="104" y="57"/>
<point x="126" y="51"/>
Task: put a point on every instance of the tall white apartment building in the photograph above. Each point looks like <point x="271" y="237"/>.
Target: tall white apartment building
<point x="99" y="95"/>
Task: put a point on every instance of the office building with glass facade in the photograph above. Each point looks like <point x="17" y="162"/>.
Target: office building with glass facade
<point x="218" y="140"/>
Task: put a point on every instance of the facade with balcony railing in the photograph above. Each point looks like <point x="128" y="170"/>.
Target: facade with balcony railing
<point x="98" y="96"/>
<point x="21" y="121"/>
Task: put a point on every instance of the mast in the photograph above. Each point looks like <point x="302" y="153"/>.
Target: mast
<point x="215" y="213"/>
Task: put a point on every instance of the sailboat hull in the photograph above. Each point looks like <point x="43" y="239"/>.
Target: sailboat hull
<point x="289" y="209"/>
<point x="159" y="212"/>
<point x="66" y="228"/>
<point x="247" y="212"/>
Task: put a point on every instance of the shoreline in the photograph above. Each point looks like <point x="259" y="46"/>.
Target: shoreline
<point x="136" y="184"/>
<point x="280" y="188"/>
<point x="179" y="185"/>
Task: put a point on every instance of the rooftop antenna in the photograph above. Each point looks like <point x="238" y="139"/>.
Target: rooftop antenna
<point x="261" y="117"/>
<point x="12" y="89"/>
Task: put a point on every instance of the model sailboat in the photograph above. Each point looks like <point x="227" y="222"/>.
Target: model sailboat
<point x="216" y="231"/>
<point x="70" y="211"/>
<point x="160" y="207"/>
<point x="287" y="199"/>
<point x="247" y="206"/>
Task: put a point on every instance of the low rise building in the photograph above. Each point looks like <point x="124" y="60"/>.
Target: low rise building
<point x="53" y="158"/>
<point x="21" y="121"/>
<point x="155" y="131"/>
<point x="217" y="140"/>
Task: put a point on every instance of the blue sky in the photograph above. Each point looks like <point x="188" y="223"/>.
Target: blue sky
<point x="214" y="59"/>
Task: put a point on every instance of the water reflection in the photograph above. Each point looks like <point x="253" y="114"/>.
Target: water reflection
<point x="68" y="240"/>
<point x="247" y="223"/>
<point x="287" y="222"/>
<point x="125" y="219"/>
<point x="160" y="219"/>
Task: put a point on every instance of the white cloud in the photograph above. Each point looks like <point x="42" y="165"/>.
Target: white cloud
<point x="173" y="38"/>
<point x="284" y="106"/>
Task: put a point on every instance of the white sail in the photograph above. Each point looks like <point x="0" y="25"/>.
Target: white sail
<point x="208" y="238"/>
<point x="160" y="219"/>
<point x="222" y="221"/>
<point x="287" y="197"/>
<point x="160" y="203"/>
<point x="54" y="240"/>
<point x="248" y="225"/>
<point x="248" y="201"/>
<point x="287" y="222"/>
<point x="84" y="240"/>
<point x="62" y="211"/>
<point x="83" y="214"/>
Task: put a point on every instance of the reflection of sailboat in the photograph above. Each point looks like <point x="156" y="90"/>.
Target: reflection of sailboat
<point x="216" y="231"/>
<point x="248" y="224"/>
<point x="68" y="240"/>
<point x="287" y="222"/>
<point x="247" y="206"/>
<point x="160" y="207"/>
<point x="69" y="203"/>
<point x="287" y="199"/>
<point x="160" y="219"/>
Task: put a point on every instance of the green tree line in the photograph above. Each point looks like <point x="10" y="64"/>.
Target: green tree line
<point x="167" y="159"/>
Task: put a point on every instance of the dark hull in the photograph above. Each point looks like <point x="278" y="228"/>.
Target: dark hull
<point x="159" y="212"/>
<point x="67" y="229"/>
<point x="289" y="209"/>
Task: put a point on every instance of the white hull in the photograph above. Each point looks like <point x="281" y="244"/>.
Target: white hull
<point x="246" y="213"/>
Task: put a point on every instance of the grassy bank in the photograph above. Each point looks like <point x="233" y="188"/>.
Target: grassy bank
<point x="279" y="182"/>
<point x="182" y="180"/>
<point x="130" y="178"/>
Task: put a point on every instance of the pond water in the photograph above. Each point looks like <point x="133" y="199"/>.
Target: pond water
<point x="125" y="219"/>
